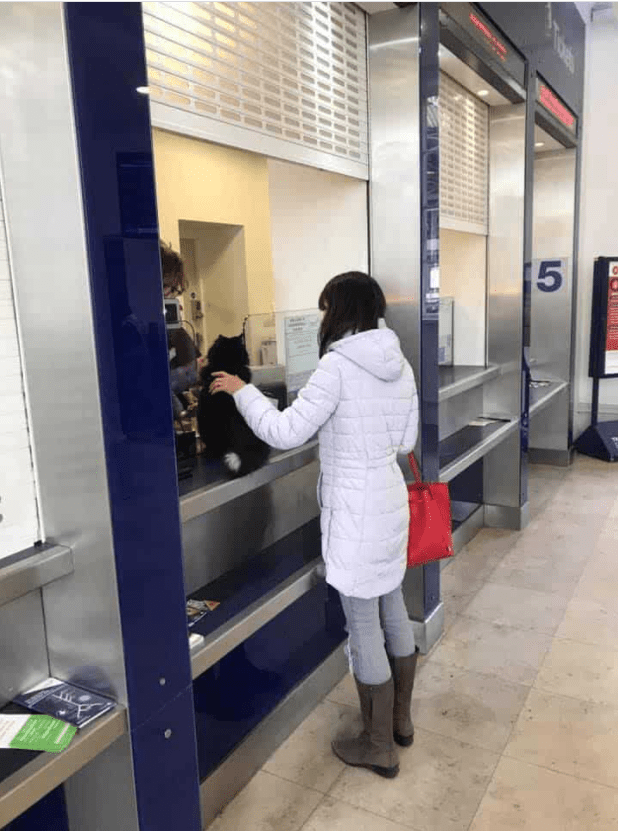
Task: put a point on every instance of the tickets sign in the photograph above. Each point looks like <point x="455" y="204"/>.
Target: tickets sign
<point x="611" y="326"/>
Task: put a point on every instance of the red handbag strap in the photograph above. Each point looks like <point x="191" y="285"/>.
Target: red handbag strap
<point x="414" y="467"/>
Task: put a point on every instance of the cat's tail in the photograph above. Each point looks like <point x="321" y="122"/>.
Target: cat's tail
<point x="247" y="460"/>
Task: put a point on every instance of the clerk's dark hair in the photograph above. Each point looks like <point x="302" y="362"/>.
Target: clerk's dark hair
<point x="352" y="302"/>
<point x="172" y="268"/>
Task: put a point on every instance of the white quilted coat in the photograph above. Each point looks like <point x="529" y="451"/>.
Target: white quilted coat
<point x="362" y="399"/>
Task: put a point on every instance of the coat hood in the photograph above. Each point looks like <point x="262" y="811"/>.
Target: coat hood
<point x="378" y="351"/>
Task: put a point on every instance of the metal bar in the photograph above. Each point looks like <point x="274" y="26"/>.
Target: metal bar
<point x="474" y="378"/>
<point x="49" y="770"/>
<point x="478" y="451"/>
<point x="207" y="499"/>
<point x="32" y="569"/>
<point x="253" y="618"/>
<point x="595" y="402"/>
<point x="545" y="399"/>
<point x="188" y="123"/>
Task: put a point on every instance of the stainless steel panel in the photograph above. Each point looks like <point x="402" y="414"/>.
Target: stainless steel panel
<point x="545" y="396"/>
<point x="234" y="773"/>
<point x="467" y="531"/>
<point x="500" y="516"/>
<point x="394" y="168"/>
<point x="23" y="657"/>
<point x="552" y="312"/>
<point x="257" y="615"/>
<point x="455" y="380"/>
<point x="505" y="269"/>
<point x="32" y="569"/>
<point x="201" y="502"/>
<point x="558" y="458"/>
<point x="505" y="246"/>
<point x="427" y="632"/>
<point x="221" y="539"/>
<point x="48" y="770"/>
<point x="88" y="791"/>
<point x="503" y="438"/>
<point x="457" y="412"/>
<point x="502" y="472"/>
<point x="45" y="224"/>
<point x="549" y="424"/>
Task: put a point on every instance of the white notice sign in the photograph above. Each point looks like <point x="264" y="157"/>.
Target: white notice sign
<point x="301" y="348"/>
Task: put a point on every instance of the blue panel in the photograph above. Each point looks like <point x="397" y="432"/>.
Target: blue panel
<point x="165" y="763"/>
<point x="429" y="73"/>
<point x="49" y="814"/>
<point x="107" y="58"/>
<point x="245" y="686"/>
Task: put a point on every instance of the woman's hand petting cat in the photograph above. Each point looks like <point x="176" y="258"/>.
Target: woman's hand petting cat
<point x="225" y="383"/>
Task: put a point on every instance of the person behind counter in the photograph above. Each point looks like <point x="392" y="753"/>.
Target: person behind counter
<point x="362" y="401"/>
<point x="182" y="350"/>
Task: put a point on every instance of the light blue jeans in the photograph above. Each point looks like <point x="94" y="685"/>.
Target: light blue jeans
<point x="377" y="628"/>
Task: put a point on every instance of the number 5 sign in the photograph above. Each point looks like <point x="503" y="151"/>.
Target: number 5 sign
<point x="549" y="275"/>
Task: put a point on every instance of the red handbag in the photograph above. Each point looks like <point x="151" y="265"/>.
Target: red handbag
<point x="430" y="536"/>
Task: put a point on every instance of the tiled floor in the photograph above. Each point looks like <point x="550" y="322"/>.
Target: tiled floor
<point x="516" y="708"/>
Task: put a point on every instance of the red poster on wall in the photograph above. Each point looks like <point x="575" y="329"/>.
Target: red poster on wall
<point x="611" y="330"/>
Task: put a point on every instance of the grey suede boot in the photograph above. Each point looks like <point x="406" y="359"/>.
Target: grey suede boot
<point x="404" y="670"/>
<point x="374" y="748"/>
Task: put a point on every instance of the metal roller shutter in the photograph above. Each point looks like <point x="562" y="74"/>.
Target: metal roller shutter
<point x="288" y="80"/>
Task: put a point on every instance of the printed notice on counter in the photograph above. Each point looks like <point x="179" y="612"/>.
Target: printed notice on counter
<point x="23" y="732"/>
<point x="66" y="702"/>
<point x="301" y="348"/>
<point x="611" y="332"/>
<point x="197" y="609"/>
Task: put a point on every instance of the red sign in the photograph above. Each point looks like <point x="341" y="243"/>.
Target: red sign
<point x="611" y="332"/>
<point x="555" y="106"/>
<point x="496" y="46"/>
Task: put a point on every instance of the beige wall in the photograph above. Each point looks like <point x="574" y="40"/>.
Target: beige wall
<point x="202" y="182"/>
<point x="463" y="276"/>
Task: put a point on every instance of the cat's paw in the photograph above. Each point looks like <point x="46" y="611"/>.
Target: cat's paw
<point x="232" y="462"/>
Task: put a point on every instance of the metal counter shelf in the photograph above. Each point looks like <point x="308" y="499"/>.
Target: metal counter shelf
<point x="455" y="380"/>
<point x="210" y="487"/>
<point x="31" y="569"/>
<point x="234" y="631"/>
<point x="471" y="443"/>
<point x="541" y="397"/>
<point x="27" y="776"/>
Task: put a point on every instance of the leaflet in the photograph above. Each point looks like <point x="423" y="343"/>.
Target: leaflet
<point x="66" y="702"/>
<point x="23" y="732"/>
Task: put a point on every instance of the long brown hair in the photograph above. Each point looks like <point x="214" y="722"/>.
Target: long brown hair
<point x="352" y="301"/>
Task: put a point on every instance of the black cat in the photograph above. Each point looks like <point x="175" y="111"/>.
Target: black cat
<point x="225" y="433"/>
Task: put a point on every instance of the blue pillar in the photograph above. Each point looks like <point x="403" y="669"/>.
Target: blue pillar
<point x="107" y="58"/>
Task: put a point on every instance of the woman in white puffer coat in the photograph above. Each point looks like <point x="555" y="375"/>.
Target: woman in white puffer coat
<point x="362" y="402"/>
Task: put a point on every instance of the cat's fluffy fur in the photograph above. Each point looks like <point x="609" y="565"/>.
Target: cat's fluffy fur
<point x="225" y="433"/>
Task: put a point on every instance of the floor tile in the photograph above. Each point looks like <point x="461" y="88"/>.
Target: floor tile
<point x="520" y="608"/>
<point x="333" y="815"/>
<point x="306" y="757"/>
<point x="589" y="621"/>
<point x="532" y="566"/>
<point x="513" y="654"/>
<point x="438" y="788"/>
<point x="580" y="499"/>
<point x="580" y="671"/>
<point x="268" y="803"/>
<point x="523" y="797"/>
<point x="568" y="735"/>
<point x="474" y="708"/>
